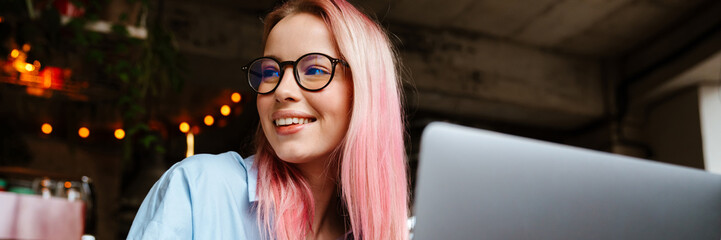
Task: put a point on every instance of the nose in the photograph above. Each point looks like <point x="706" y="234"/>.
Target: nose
<point x="287" y="90"/>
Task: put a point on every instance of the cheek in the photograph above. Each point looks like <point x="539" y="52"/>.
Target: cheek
<point x="260" y="103"/>
<point x="342" y="107"/>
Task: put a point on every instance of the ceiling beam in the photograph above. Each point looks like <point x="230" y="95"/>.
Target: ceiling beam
<point x="474" y="76"/>
<point x="671" y="54"/>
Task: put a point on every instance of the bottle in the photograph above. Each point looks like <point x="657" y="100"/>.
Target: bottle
<point x="71" y="191"/>
<point x="45" y="189"/>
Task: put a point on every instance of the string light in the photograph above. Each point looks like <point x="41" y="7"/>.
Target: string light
<point x="119" y="133"/>
<point x="184" y="127"/>
<point x="26" y="47"/>
<point x="29" y="67"/>
<point x="19" y="64"/>
<point x="46" y="128"/>
<point x="235" y="97"/>
<point x="15" y="53"/>
<point x="190" y="139"/>
<point x="225" y="110"/>
<point x="208" y="120"/>
<point x="68" y="184"/>
<point x="83" y="132"/>
<point x="47" y="79"/>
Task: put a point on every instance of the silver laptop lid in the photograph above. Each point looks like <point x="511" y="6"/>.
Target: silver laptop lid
<point x="476" y="184"/>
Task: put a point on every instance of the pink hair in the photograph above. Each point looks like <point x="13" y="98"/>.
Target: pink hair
<point x="371" y="158"/>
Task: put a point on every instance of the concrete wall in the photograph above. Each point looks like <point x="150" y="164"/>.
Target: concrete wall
<point x="475" y="76"/>
<point x="710" y="114"/>
<point x="672" y="129"/>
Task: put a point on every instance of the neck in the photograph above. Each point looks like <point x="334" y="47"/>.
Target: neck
<point x="327" y="220"/>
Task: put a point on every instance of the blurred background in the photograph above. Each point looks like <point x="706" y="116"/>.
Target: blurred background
<point x="103" y="96"/>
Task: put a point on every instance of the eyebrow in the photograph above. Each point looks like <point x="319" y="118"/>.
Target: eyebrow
<point x="273" y="57"/>
<point x="281" y="60"/>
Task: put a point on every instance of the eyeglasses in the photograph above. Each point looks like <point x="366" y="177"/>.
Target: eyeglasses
<point x="313" y="72"/>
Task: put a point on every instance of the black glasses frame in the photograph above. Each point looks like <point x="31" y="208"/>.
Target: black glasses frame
<point x="281" y="65"/>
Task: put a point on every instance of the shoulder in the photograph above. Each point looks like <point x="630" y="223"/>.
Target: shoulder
<point x="213" y="174"/>
<point x="185" y="200"/>
<point x="222" y="165"/>
<point x="205" y="162"/>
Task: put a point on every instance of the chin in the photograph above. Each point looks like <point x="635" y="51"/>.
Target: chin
<point x="300" y="157"/>
<point x="292" y="156"/>
<point x="291" y="159"/>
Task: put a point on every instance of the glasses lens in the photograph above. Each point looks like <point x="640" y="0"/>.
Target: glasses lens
<point x="315" y="71"/>
<point x="263" y="75"/>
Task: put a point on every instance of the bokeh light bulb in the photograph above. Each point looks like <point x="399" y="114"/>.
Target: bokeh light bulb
<point x="235" y="97"/>
<point x="83" y="132"/>
<point x="119" y="133"/>
<point x="208" y="120"/>
<point x="15" y="53"/>
<point x="46" y="128"/>
<point x="225" y="110"/>
<point x="184" y="127"/>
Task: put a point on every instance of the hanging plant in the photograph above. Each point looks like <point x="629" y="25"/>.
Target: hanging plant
<point x="115" y="65"/>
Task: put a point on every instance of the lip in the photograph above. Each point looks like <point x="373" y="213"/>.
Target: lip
<point x="290" y="129"/>
<point x="290" y="114"/>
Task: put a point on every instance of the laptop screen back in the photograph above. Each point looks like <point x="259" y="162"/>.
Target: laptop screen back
<point x="476" y="184"/>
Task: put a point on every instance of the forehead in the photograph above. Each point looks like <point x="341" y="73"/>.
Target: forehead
<point x="298" y="34"/>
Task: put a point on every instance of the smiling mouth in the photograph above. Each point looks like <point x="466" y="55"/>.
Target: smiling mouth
<point x="292" y="121"/>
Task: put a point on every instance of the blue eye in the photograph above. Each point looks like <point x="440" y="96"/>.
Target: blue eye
<point x="315" y="71"/>
<point x="270" y="73"/>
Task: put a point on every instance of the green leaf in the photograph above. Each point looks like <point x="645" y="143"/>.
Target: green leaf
<point x="148" y="140"/>
<point x="123" y="100"/>
<point x="124" y="77"/>
<point x="120" y="30"/>
<point x="137" y="128"/>
<point x="94" y="37"/>
<point x="122" y="66"/>
<point x="121" y="48"/>
<point x="78" y="3"/>
<point x="159" y="149"/>
<point x="96" y="56"/>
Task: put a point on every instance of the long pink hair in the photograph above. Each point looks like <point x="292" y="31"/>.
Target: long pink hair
<point x="370" y="161"/>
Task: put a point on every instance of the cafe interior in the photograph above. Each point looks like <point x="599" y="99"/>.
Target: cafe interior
<point x="99" y="98"/>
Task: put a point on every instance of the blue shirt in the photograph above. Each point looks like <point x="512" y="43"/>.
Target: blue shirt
<point x="202" y="197"/>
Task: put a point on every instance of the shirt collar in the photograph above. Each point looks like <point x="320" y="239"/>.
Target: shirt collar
<point x="252" y="178"/>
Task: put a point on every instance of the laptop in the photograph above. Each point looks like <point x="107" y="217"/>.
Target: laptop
<point x="476" y="184"/>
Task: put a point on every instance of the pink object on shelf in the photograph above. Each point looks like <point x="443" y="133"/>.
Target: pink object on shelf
<point x="67" y="8"/>
<point x="32" y="217"/>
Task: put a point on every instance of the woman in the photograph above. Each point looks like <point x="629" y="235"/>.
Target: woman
<point x="330" y="161"/>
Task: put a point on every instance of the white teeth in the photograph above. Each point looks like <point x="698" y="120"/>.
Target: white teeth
<point x="289" y="121"/>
